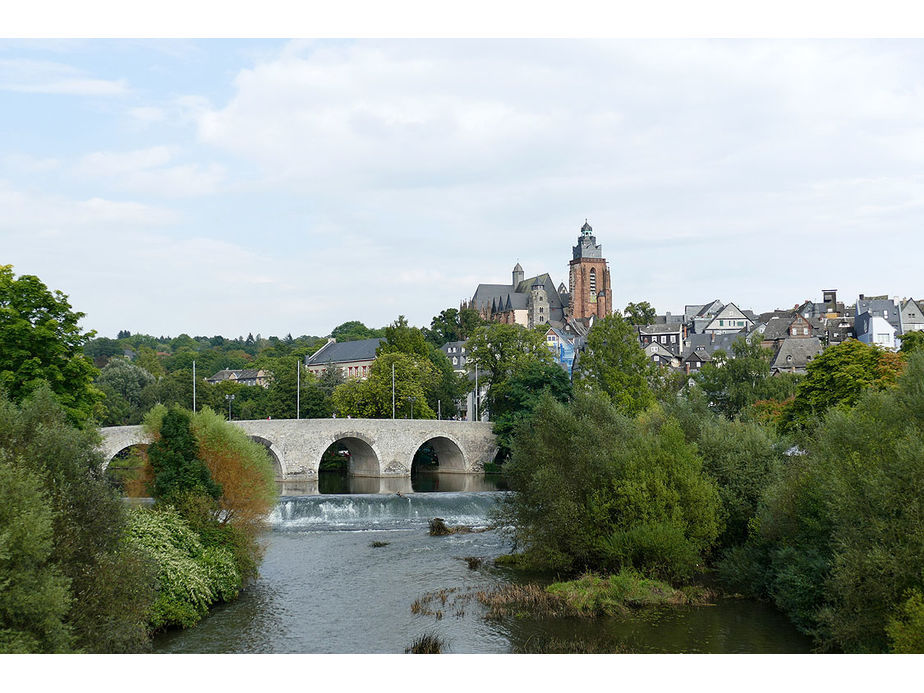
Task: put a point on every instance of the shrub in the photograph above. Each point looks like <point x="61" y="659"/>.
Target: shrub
<point x="191" y="577"/>
<point x="588" y="479"/>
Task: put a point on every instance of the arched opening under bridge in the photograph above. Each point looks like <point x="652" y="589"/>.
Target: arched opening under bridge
<point x="438" y="454"/>
<point x="129" y="471"/>
<point x="278" y="469"/>
<point x="346" y="457"/>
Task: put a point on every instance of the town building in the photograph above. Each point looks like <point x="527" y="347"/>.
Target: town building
<point x="354" y="359"/>
<point x="537" y="301"/>
<point x="246" y="376"/>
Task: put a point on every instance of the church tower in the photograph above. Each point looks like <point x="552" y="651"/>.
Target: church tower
<point x="589" y="278"/>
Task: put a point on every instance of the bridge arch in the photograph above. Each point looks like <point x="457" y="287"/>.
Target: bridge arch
<point x="365" y="459"/>
<point x="449" y="453"/>
<point x="275" y="454"/>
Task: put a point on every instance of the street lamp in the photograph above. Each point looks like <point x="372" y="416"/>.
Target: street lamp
<point x="411" y="400"/>
<point x="230" y="399"/>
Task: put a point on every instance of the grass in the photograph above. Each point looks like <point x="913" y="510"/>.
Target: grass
<point x="588" y="596"/>
<point x="428" y="643"/>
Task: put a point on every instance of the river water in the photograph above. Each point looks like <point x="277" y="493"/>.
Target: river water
<point x="342" y="573"/>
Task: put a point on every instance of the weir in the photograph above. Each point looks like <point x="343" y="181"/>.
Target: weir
<point x="380" y="448"/>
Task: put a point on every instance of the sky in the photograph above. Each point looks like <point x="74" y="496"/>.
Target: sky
<point x="286" y="186"/>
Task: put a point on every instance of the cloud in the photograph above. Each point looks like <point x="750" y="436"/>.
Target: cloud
<point x="147" y="171"/>
<point x="46" y="77"/>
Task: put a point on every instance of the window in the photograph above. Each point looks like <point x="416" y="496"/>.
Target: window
<point x="593" y="281"/>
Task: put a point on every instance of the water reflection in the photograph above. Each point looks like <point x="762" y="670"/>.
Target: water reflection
<point x="340" y="482"/>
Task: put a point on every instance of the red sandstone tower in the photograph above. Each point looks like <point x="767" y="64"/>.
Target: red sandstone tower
<point x="589" y="278"/>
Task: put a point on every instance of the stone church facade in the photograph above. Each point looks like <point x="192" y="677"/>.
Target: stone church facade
<point x="537" y="301"/>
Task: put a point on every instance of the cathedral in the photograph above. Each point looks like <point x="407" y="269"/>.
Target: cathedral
<point x="536" y="300"/>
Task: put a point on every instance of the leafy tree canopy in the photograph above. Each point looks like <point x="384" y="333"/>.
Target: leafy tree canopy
<point x="838" y="377"/>
<point x="41" y="341"/>
<point x="598" y="490"/>
<point x="614" y="363"/>
<point x="640" y="313"/>
<point x="912" y="341"/>
<point x="514" y="399"/>
<point x="353" y="330"/>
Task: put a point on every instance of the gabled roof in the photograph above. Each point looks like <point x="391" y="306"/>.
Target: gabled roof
<point x="342" y="352"/>
<point x="729" y="312"/>
<point x="662" y="349"/>
<point x="663" y="328"/>
<point x="795" y="352"/>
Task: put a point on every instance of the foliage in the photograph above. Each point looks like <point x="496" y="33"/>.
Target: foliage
<point x="453" y="325"/>
<point x="513" y="400"/>
<point x="353" y="330"/>
<point x="838" y="543"/>
<point x="191" y="577"/>
<point x="222" y="457"/>
<point x="110" y="585"/>
<point x="838" y="377"/>
<point x="743" y="459"/>
<point x="733" y="383"/>
<point x="123" y="383"/>
<point x="614" y="363"/>
<point x="906" y="627"/>
<point x="178" y="470"/>
<point x="598" y="490"/>
<point x="34" y="594"/>
<point x="372" y="398"/>
<point x="240" y="467"/>
<point x="911" y="342"/>
<point x="640" y="313"/>
<point x="41" y="342"/>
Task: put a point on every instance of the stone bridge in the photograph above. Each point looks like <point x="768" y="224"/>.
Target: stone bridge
<point x="378" y="447"/>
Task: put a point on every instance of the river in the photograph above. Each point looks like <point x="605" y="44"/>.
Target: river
<point x="343" y="570"/>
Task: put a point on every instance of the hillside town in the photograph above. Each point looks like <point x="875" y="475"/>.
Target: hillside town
<point x="682" y="343"/>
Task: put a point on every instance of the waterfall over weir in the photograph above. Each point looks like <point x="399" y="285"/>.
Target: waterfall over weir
<point x="377" y="512"/>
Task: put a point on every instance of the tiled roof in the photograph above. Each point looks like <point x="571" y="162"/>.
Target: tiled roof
<point x="342" y="352"/>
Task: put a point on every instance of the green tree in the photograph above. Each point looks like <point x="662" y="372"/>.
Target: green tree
<point x="123" y="384"/>
<point x="498" y="350"/>
<point x="372" y="398"/>
<point x="353" y="330"/>
<point x="178" y="471"/>
<point x="514" y="400"/>
<point x="838" y="543"/>
<point x="446" y="387"/>
<point x="838" y="377"/>
<point x="41" y="341"/>
<point x="111" y="586"/>
<point x="34" y="598"/>
<point x="911" y="342"/>
<point x="613" y="363"/>
<point x="640" y="313"/>
<point x="734" y="382"/>
<point x="595" y="489"/>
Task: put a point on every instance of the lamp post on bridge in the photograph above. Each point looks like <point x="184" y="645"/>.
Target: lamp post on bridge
<point x="230" y="399"/>
<point x="411" y="400"/>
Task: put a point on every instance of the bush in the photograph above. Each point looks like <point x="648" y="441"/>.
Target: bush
<point x="190" y="576"/>
<point x="110" y="586"/>
<point x="589" y="480"/>
<point x="840" y="532"/>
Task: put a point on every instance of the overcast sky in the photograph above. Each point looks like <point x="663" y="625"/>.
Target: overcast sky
<point x="226" y="187"/>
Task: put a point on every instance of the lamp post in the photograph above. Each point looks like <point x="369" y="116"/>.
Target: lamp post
<point x="230" y="399"/>
<point x="411" y="400"/>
